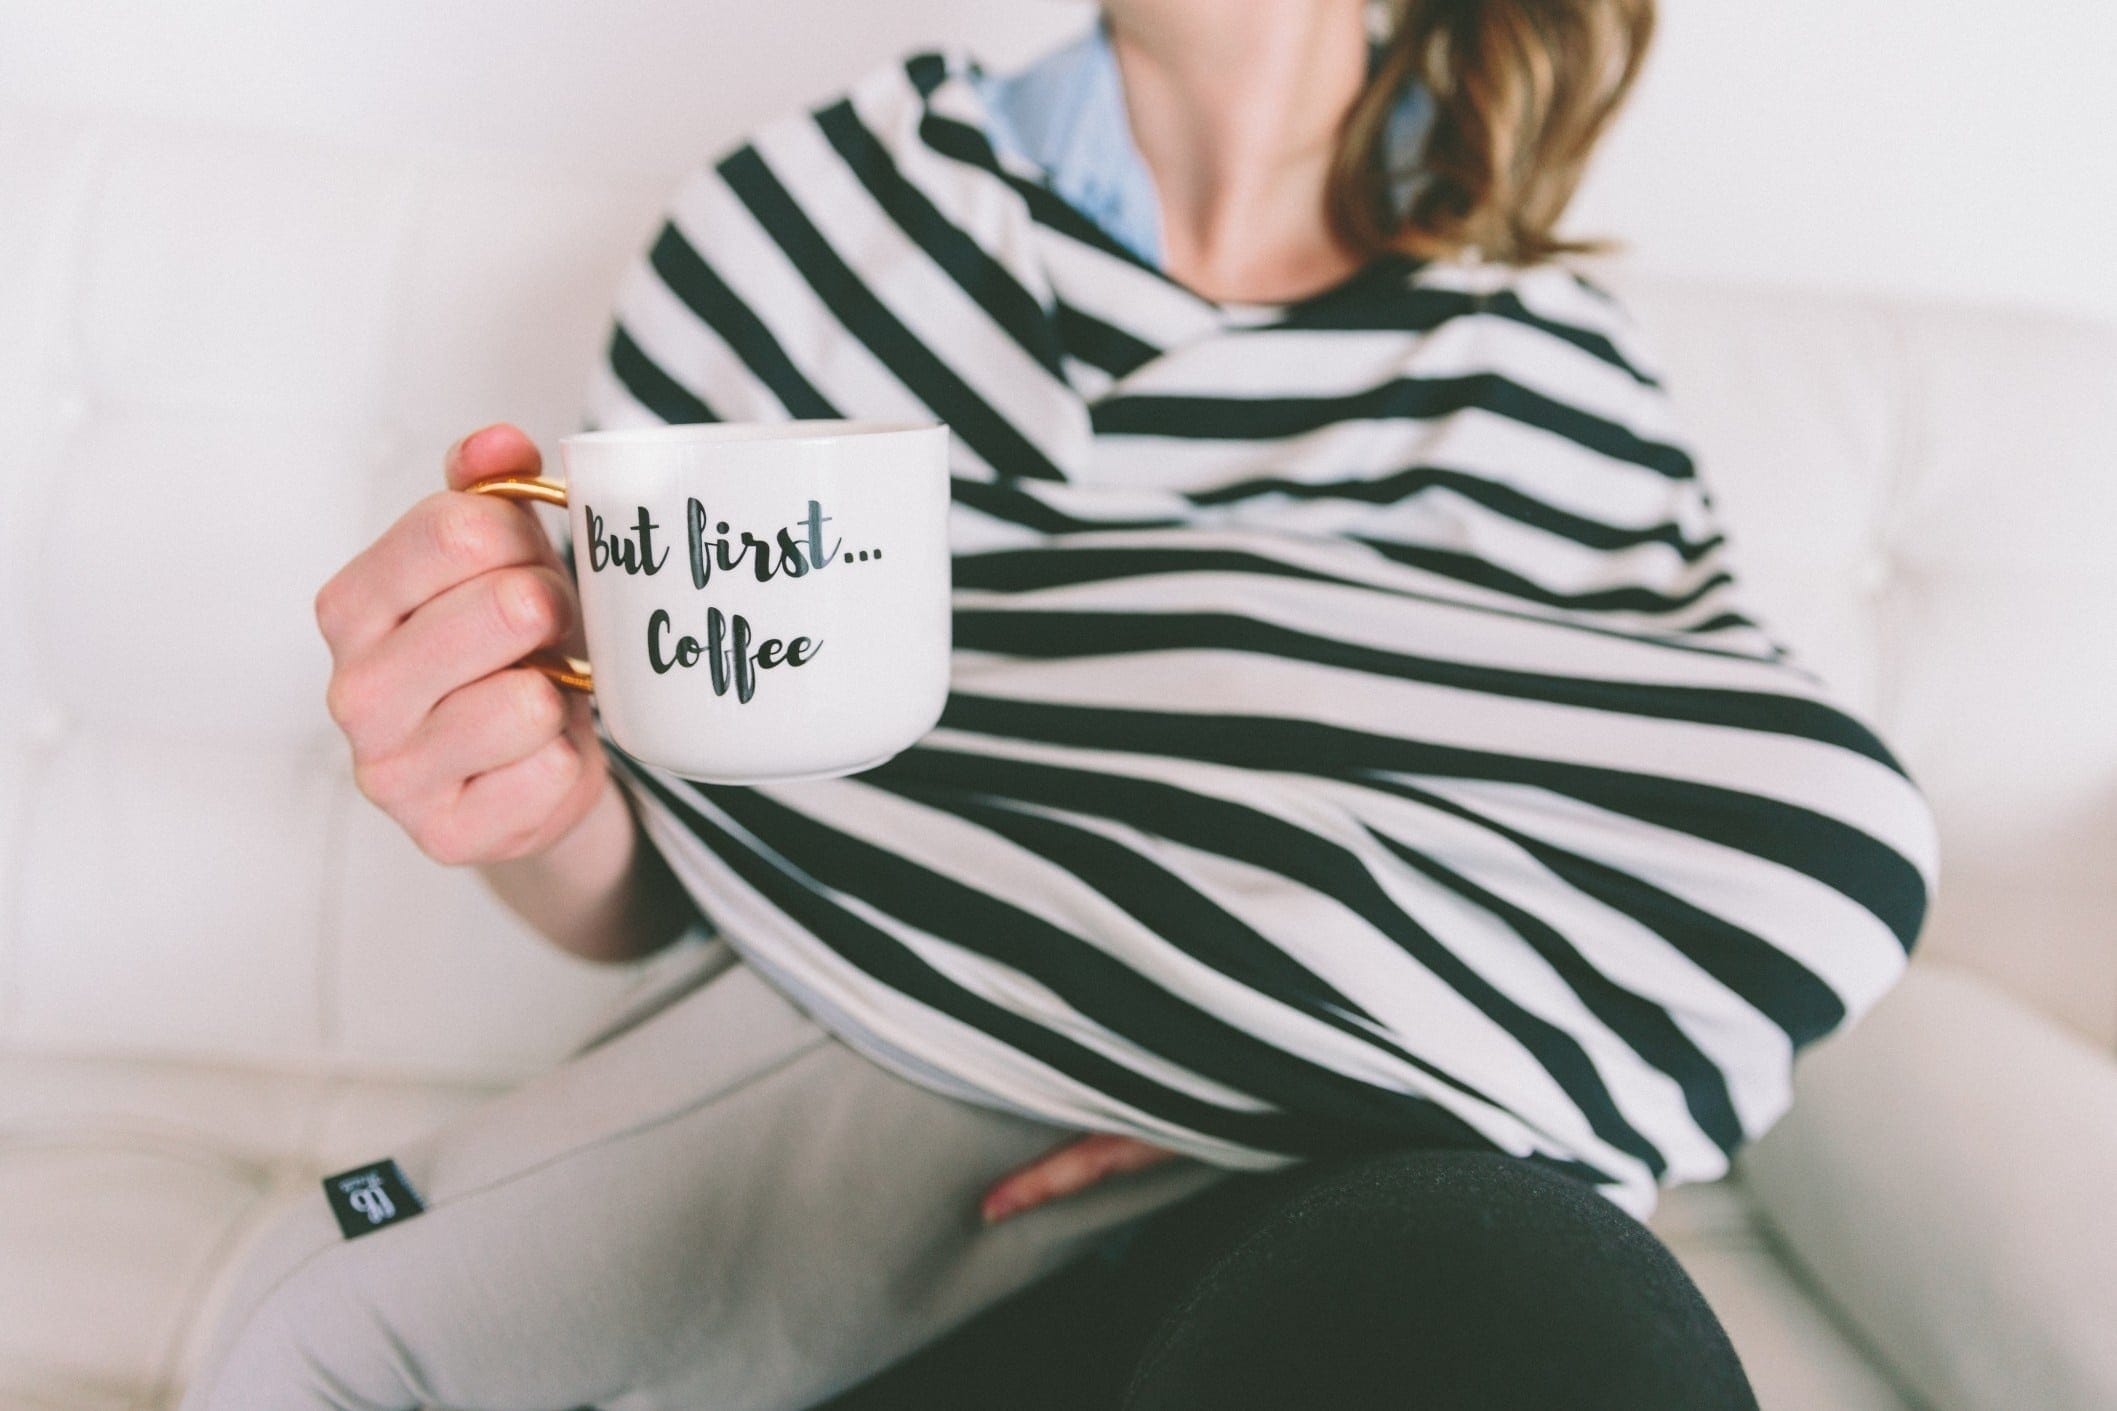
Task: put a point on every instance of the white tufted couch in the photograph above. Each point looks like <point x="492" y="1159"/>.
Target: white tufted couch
<point x="228" y="359"/>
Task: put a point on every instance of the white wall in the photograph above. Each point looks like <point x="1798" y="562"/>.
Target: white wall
<point x="652" y="84"/>
<point x="1912" y="145"/>
<point x="1942" y="146"/>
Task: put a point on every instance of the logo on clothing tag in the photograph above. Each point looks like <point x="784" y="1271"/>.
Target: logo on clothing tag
<point x="369" y="1197"/>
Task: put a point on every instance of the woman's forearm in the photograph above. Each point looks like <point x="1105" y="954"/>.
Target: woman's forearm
<point x="603" y="891"/>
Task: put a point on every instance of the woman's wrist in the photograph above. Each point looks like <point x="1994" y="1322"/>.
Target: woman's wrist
<point x="602" y="891"/>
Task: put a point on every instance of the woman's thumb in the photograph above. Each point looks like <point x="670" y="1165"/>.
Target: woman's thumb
<point x="499" y="449"/>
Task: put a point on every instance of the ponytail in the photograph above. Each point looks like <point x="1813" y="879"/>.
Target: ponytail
<point x="1522" y="91"/>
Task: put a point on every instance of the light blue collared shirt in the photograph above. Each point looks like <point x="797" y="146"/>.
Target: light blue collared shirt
<point x="1065" y="113"/>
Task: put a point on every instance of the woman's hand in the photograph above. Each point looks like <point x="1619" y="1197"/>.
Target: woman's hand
<point x="478" y="759"/>
<point x="1072" y="1167"/>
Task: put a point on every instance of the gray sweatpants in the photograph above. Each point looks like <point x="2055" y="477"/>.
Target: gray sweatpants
<point x="714" y="1206"/>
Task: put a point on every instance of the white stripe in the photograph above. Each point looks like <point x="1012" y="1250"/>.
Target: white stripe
<point x="1541" y="464"/>
<point x="1751" y="1052"/>
<point x="765" y="936"/>
<point x="1376" y="972"/>
<point x="922" y="296"/>
<point x="977" y="857"/>
<point x="1443" y="520"/>
<point x="1425" y="1017"/>
<point x="992" y="215"/>
<point x="1341" y="613"/>
<point x="1789" y="768"/>
<point x="758" y="272"/>
<point x="611" y="405"/>
<point x="1825" y="931"/>
<point x="687" y="348"/>
<point x="1372" y="568"/>
<point x="1325" y="363"/>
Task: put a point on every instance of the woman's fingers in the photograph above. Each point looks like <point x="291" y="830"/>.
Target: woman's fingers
<point x="476" y="757"/>
<point x="486" y="725"/>
<point x="468" y="632"/>
<point x="523" y="807"/>
<point x="446" y="539"/>
<point x="1072" y="1167"/>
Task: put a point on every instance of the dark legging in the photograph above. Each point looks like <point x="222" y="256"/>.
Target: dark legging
<point x="1415" y="1281"/>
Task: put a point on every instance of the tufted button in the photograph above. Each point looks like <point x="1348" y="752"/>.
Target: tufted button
<point x="1877" y="570"/>
<point x="48" y="723"/>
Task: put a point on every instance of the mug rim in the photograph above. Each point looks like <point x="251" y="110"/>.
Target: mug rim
<point x="707" y="432"/>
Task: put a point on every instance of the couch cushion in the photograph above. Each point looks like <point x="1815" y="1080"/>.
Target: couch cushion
<point x="234" y="359"/>
<point x="1947" y="1169"/>
<point x="127" y="1188"/>
<point x="1798" y="1354"/>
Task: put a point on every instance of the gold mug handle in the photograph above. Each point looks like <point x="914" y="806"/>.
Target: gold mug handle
<point x="569" y="671"/>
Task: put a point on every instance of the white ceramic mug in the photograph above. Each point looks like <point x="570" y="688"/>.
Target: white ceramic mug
<point x="762" y="602"/>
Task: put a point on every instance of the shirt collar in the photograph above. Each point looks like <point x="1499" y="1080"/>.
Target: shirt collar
<point x="1065" y="113"/>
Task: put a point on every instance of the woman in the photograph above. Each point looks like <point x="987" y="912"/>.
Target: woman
<point x="1358" y="766"/>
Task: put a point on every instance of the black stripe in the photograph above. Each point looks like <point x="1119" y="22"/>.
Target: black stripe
<point x="1087" y="335"/>
<point x="1278" y="418"/>
<point x="1724" y="621"/>
<point x="1101" y="345"/>
<point x="1248" y="835"/>
<point x="863" y="315"/>
<point x="1176" y="912"/>
<point x="1770" y="981"/>
<point x="1099" y="986"/>
<point x="706" y="294"/>
<point x="927" y="70"/>
<point x="1385" y="297"/>
<point x="995" y="290"/>
<point x="880" y="956"/>
<point x="961" y="142"/>
<point x="1508" y="305"/>
<point x="1842" y="857"/>
<point x="1060" y="635"/>
<point x="1165" y="904"/>
<point x="1059" y="565"/>
<point x="1642" y="1024"/>
<point x="1399" y="486"/>
<point x="1469" y="568"/>
<point x="654" y="389"/>
<point x="1012" y="501"/>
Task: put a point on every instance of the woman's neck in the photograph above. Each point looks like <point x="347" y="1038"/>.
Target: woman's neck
<point x="1235" y="109"/>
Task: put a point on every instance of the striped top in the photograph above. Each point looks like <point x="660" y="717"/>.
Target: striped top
<point x="1356" y="737"/>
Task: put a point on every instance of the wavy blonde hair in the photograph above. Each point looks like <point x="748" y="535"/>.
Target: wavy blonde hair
<point x="1522" y="91"/>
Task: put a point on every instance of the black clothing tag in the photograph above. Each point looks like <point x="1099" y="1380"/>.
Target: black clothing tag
<point x="369" y="1197"/>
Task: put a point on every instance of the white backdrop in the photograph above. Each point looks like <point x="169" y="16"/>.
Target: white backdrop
<point x="1910" y="145"/>
<point x="1955" y="147"/>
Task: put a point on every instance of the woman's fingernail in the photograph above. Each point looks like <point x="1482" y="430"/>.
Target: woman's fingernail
<point x="997" y="1208"/>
